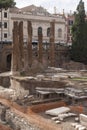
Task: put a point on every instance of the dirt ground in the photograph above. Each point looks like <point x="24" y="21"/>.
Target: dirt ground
<point x="3" y="127"/>
<point x="31" y="116"/>
<point x="31" y="113"/>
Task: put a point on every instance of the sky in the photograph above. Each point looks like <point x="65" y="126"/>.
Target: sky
<point x="67" y="5"/>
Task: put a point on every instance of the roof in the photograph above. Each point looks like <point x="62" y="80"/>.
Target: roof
<point x="59" y="92"/>
<point x="74" y="90"/>
<point x="49" y="89"/>
<point x="44" y="92"/>
<point x="14" y="9"/>
<point x="35" y="10"/>
<point x="28" y="8"/>
<point x="57" y="111"/>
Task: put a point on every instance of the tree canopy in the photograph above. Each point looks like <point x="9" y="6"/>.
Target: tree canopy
<point x="79" y="35"/>
<point x="6" y="3"/>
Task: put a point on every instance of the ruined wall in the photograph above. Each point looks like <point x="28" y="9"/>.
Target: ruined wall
<point x="61" y="55"/>
<point x="24" y="85"/>
<point x="6" y="50"/>
<point x="15" y="121"/>
<point x="5" y="81"/>
<point x="20" y="91"/>
<point x="18" y="123"/>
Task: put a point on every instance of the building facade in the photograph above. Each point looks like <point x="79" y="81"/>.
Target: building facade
<point x="40" y="19"/>
<point x="70" y="21"/>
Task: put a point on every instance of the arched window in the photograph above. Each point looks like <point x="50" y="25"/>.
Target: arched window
<point x="39" y="30"/>
<point x="60" y="32"/>
<point x="48" y="32"/>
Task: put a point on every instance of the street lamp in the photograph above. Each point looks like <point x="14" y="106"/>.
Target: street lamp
<point x="1" y="26"/>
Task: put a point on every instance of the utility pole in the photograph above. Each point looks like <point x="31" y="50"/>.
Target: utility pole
<point x="1" y="26"/>
<point x="1" y="30"/>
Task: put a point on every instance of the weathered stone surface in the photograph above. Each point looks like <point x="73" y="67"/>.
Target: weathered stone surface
<point x="15" y="121"/>
<point x="19" y="123"/>
<point x="40" y="51"/>
<point x="18" y="51"/>
<point x="74" y="66"/>
<point x="19" y="91"/>
<point x="15" y="54"/>
<point x="13" y="93"/>
<point x="7" y="93"/>
<point x="25" y="85"/>
<point x="29" y="46"/>
<point x="21" y="47"/>
<point x="5" y="81"/>
<point x="2" y="112"/>
<point x="52" y="42"/>
<point x="83" y="119"/>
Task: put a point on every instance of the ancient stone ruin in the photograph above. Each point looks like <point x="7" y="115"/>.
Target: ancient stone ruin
<point x="52" y="46"/>
<point x="18" y="57"/>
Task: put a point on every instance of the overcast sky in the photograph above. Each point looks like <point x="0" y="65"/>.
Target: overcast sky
<point x="67" y="5"/>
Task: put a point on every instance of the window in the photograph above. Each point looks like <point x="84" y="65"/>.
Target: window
<point x="48" y="32"/>
<point x="39" y="30"/>
<point x="5" y="14"/>
<point x="59" y="32"/>
<point x="70" y="22"/>
<point x="5" y="24"/>
<point x="5" y="35"/>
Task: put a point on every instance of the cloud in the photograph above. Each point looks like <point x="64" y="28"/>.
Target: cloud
<point x="23" y="3"/>
<point x="67" y="5"/>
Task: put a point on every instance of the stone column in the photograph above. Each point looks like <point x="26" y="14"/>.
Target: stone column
<point x="15" y="54"/>
<point x="21" y="46"/>
<point x="40" y="51"/>
<point x="29" y="46"/>
<point x="52" y="44"/>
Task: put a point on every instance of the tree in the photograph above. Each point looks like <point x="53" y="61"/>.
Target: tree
<point x="79" y="38"/>
<point x="6" y="4"/>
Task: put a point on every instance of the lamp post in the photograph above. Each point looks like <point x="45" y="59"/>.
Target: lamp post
<point x="1" y="26"/>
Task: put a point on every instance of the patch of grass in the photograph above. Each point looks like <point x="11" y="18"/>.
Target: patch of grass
<point x="79" y="78"/>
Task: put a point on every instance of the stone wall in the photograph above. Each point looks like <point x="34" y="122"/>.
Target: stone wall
<point x="20" y="91"/>
<point x="5" y="62"/>
<point x="5" y="81"/>
<point x="24" y="85"/>
<point x="15" y="121"/>
<point x="13" y="94"/>
<point x="2" y="112"/>
<point x="18" y="123"/>
<point x="71" y="65"/>
<point x="61" y="55"/>
<point x="83" y="119"/>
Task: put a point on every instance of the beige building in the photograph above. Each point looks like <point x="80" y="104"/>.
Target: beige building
<point x="39" y="17"/>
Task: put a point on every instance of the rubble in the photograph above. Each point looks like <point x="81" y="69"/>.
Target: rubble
<point x="12" y="94"/>
<point x="15" y="121"/>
